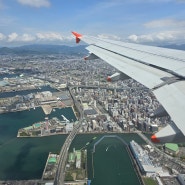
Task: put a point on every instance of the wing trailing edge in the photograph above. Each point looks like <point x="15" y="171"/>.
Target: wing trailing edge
<point x="150" y="66"/>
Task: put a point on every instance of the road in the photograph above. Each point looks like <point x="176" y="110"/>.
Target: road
<point x="60" y="174"/>
<point x="108" y="88"/>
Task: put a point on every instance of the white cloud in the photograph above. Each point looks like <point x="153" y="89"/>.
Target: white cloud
<point x="35" y="3"/>
<point x="169" y="36"/>
<point x="160" y="37"/>
<point x="27" y="38"/>
<point x="141" y="38"/>
<point x="133" y="38"/>
<point x="162" y="31"/>
<point x="165" y="23"/>
<point x="44" y="38"/>
<point x="51" y="36"/>
<point x="108" y="36"/>
<point x="2" y="37"/>
<point x="12" y="37"/>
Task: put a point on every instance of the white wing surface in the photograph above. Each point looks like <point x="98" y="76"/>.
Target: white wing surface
<point x="160" y="69"/>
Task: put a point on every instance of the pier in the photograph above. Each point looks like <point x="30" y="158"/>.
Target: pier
<point x="47" y="109"/>
<point x="50" y="167"/>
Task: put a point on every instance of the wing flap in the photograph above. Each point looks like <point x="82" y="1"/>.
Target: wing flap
<point x="170" y="133"/>
<point x="172" y="98"/>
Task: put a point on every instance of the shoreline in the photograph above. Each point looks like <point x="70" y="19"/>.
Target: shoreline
<point x="28" y="109"/>
<point x="80" y="133"/>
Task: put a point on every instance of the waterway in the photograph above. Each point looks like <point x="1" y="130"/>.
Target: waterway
<point x="24" y="158"/>
<point x="111" y="163"/>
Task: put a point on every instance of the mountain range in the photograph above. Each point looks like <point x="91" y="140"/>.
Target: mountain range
<point x="44" y="49"/>
<point x="58" y="49"/>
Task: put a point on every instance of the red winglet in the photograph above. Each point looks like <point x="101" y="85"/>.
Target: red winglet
<point x="109" y="79"/>
<point x="155" y="139"/>
<point x="77" y="35"/>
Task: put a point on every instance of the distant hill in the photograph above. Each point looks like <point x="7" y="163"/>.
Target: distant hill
<point x="44" y="49"/>
<point x="175" y="46"/>
<point x="59" y="49"/>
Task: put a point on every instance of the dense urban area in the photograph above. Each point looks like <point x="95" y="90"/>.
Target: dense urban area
<point x="122" y="106"/>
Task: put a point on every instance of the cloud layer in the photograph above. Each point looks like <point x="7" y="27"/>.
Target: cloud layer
<point x="176" y="37"/>
<point x="161" y="31"/>
<point x="40" y="37"/>
<point x="35" y="3"/>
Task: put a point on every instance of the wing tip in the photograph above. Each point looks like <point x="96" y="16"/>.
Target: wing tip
<point x="155" y="139"/>
<point x="77" y="35"/>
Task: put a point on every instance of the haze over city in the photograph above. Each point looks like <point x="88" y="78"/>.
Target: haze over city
<point x="50" y="22"/>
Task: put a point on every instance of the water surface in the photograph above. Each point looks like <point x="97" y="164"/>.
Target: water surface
<point x="24" y="158"/>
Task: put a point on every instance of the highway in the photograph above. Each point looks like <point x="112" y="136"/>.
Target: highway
<point x="59" y="178"/>
<point x="106" y="87"/>
<point x="60" y="174"/>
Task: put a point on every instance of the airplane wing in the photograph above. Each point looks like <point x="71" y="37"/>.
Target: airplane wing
<point x="160" y="69"/>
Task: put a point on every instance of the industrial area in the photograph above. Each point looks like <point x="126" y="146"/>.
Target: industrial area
<point x="122" y="106"/>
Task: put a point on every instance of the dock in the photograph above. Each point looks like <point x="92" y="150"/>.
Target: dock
<point x="47" y="109"/>
<point x="50" y="167"/>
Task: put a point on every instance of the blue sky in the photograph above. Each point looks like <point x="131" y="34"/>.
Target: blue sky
<point x="51" y="21"/>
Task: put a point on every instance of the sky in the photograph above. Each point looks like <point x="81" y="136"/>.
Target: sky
<point x="153" y="22"/>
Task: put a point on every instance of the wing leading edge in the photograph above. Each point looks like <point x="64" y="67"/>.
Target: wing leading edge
<point x="160" y="69"/>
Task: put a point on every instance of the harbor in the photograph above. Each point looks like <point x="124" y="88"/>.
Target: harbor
<point x="118" y="165"/>
<point x="25" y="158"/>
<point x="16" y="153"/>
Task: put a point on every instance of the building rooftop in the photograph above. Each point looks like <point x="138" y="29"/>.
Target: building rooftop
<point x="52" y="160"/>
<point x="71" y="157"/>
<point x="172" y="146"/>
<point x="78" y="154"/>
<point x="90" y="112"/>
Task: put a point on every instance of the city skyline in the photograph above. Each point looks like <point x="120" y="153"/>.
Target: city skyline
<point x="50" y="22"/>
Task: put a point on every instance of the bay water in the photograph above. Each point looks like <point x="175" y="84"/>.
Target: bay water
<point x="25" y="158"/>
